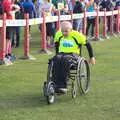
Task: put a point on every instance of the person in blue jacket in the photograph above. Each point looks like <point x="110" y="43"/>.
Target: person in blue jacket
<point x="28" y="7"/>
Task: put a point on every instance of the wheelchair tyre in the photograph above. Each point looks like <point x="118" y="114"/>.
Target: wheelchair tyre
<point x="50" y="93"/>
<point x="83" y="76"/>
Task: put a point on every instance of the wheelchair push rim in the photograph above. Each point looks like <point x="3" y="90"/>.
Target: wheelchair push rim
<point x="83" y="76"/>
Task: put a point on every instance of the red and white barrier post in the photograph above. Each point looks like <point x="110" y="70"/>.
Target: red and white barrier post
<point x="43" y="45"/>
<point x="119" y="18"/>
<point x="111" y="23"/>
<point x="84" y="23"/>
<point x="97" y="25"/>
<point x="27" y="39"/>
<point x="3" y="40"/>
<point x="118" y="21"/>
<point x="105" y="25"/>
<point x="58" y="22"/>
<point x="43" y="31"/>
<point x="71" y="13"/>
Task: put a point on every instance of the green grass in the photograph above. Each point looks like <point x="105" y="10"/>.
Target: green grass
<point x="21" y="95"/>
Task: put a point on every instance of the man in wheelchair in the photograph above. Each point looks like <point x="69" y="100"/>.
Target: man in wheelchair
<point x="67" y="44"/>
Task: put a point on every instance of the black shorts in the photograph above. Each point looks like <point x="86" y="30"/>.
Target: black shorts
<point x="9" y="32"/>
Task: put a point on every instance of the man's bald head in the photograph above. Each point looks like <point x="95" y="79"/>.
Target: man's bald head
<point x="66" y="27"/>
<point x="66" y="24"/>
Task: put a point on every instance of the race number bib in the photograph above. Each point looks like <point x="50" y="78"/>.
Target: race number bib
<point x="67" y="43"/>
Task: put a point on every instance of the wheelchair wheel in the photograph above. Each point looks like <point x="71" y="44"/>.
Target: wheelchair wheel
<point x="49" y="92"/>
<point x="83" y="76"/>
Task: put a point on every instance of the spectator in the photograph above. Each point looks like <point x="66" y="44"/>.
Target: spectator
<point x="86" y="2"/>
<point x="117" y="4"/>
<point x="109" y="6"/>
<point x="18" y="15"/>
<point x="70" y="5"/>
<point x="61" y="5"/>
<point x="10" y="9"/>
<point x="91" y="6"/>
<point x="78" y="8"/>
<point x="47" y="8"/>
<point x="38" y="4"/>
<point x="29" y="8"/>
<point x="97" y="1"/>
<point x="21" y="1"/>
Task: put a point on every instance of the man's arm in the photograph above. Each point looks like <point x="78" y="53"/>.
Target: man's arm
<point x="90" y="51"/>
<point x="89" y="48"/>
<point x="82" y="41"/>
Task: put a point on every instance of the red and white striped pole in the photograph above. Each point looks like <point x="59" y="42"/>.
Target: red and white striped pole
<point x="84" y="23"/>
<point x="58" y="22"/>
<point x="43" y="30"/>
<point x="105" y="25"/>
<point x="111" y="23"/>
<point x="119" y="18"/>
<point x="26" y="36"/>
<point x="44" y="36"/>
<point x="27" y="39"/>
<point x="97" y="25"/>
<point x="3" y="39"/>
<point x="118" y="21"/>
<point x="71" y="13"/>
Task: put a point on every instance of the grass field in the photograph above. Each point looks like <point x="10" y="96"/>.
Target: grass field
<point x="21" y="95"/>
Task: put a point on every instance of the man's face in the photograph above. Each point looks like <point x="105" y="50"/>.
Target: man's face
<point x="65" y="31"/>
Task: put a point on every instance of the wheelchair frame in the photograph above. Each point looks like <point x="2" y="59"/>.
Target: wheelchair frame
<point x="79" y="75"/>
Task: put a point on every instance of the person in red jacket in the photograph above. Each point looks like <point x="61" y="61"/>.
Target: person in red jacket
<point x="10" y="9"/>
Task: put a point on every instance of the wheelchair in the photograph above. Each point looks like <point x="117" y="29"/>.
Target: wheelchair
<point x="78" y="79"/>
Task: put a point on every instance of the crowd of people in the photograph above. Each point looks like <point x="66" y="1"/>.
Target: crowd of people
<point x="15" y="9"/>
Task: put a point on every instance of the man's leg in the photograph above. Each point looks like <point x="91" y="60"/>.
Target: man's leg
<point x="60" y="71"/>
<point x="88" y="26"/>
<point x="93" y="26"/>
<point x="17" y="36"/>
<point x="8" y="40"/>
<point x="9" y="34"/>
